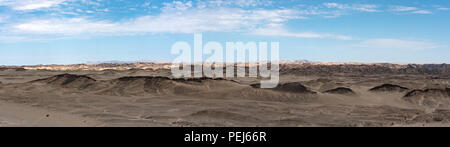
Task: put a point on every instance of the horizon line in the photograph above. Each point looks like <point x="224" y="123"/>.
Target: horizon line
<point x="280" y="62"/>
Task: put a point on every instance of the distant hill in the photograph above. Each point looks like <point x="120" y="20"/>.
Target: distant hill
<point x="294" y="67"/>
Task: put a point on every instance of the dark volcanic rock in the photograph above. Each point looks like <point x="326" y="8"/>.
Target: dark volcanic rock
<point x="141" y="85"/>
<point x="341" y="90"/>
<point x="149" y="84"/>
<point x="20" y="69"/>
<point x="388" y="88"/>
<point x="128" y="86"/>
<point x="199" y="80"/>
<point x="293" y="87"/>
<point x="68" y="81"/>
<point x="367" y="69"/>
<point x="181" y="80"/>
<point x="429" y="97"/>
<point x="147" y="78"/>
<point x="429" y="93"/>
<point x="257" y="85"/>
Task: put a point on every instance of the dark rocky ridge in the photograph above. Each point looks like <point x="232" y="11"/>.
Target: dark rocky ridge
<point x="293" y="87"/>
<point x="159" y="78"/>
<point x="138" y="85"/>
<point x="429" y="97"/>
<point x="68" y="81"/>
<point x="341" y="90"/>
<point x="366" y="69"/>
<point x="308" y="68"/>
<point x="389" y="88"/>
<point x="429" y="93"/>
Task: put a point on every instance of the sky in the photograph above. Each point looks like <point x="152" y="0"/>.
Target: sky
<point x="86" y="31"/>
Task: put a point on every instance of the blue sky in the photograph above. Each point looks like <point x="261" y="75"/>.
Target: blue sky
<point x="80" y="31"/>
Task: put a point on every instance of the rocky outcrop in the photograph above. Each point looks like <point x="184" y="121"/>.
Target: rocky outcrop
<point x="366" y="69"/>
<point x="293" y="87"/>
<point x="341" y="90"/>
<point x="68" y="81"/>
<point x="429" y="97"/>
<point x="388" y="88"/>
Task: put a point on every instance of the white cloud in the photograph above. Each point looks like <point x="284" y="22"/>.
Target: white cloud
<point x="96" y="3"/>
<point x="443" y="8"/>
<point x="178" y="18"/>
<point x="366" y="8"/>
<point x="183" y="17"/>
<point x="422" y="12"/>
<point x="169" y="21"/>
<point x="30" y="4"/>
<point x="397" y="44"/>
<point x="177" y="5"/>
<point x="252" y="3"/>
<point x="335" y="5"/>
<point x="413" y="10"/>
<point x="279" y="31"/>
<point x="357" y="7"/>
<point x="403" y="8"/>
<point x="146" y="4"/>
<point x="175" y="17"/>
<point x="64" y="26"/>
<point x="238" y="3"/>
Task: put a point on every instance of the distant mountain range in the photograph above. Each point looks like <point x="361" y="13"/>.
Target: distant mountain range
<point x="286" y="67"/>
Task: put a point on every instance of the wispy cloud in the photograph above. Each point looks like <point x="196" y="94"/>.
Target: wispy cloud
<point x="174" y="17"/>
<point x="334" y="10"/>
<point x="357" y="7"/>
<point x="407" y="9"/>
<point x="177" y="5"/>
<point x="440" y="8"/>
<point x="178" y="18"/>
<point x="239" y="3"/>
<point x="278" y="31"/>
<point x="68" y="26"/>
<point x="396" y="44"/>
<point x="30" y="4"/>
<point x="403" y="8"/>
<point x="74" y="19"/>
<point x="422" y="12"/>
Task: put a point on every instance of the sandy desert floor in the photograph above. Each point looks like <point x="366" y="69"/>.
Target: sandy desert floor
<point x="153" y="98"/>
